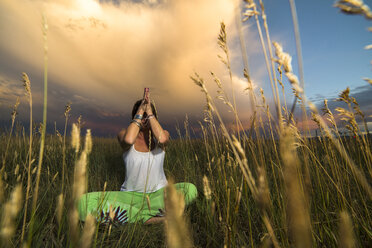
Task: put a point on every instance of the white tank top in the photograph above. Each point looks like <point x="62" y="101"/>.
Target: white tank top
<point x="144" y="170"/>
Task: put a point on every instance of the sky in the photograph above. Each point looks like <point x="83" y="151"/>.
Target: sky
<point x="101" y="54"/>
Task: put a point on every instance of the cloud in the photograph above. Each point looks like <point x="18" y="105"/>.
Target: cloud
<point x="361" y="94"/>
<point x="9" y="91"/>
<point x="109" y="50"/>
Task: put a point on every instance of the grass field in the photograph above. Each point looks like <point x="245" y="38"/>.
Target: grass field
<point x="271" y="185"/>
<point x="230" y="215"/>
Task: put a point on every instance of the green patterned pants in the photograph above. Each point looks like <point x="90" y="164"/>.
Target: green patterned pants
<point x="120" y="207"/>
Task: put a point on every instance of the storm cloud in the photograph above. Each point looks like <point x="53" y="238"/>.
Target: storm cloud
<point x="101" y="54"/>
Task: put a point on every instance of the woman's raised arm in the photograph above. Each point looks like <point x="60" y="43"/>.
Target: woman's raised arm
<point x="161" y="135"/>
<point x="122" y="143"/>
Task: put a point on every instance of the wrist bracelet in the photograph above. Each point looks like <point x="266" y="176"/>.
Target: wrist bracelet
<point x="136" y="122"/>
<point x="150" y="116"/>
<point x="138" y="117"/>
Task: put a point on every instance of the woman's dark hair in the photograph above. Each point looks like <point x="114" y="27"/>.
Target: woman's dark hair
<point x="136" y="106"/>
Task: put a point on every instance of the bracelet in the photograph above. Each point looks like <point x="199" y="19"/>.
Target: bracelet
<point x="136" y="122"/>
<point x="150" y="116"/>
<point x="138" y="117"/>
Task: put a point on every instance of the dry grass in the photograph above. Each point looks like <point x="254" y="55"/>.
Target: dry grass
<point x="269" y="185"/>
<point x="176" y="228"/>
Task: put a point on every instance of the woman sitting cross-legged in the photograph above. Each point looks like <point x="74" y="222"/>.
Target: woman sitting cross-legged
<point x="141" y="197"/>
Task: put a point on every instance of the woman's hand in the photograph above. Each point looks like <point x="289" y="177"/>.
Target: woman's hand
<point x="148" y="109"/>
<point x="146" y="104"/>
<point x="142" y="108"/>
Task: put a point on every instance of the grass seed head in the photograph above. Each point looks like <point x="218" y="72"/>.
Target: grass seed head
<point x="79" y="186"/>
<point x="1" y="187"/>
<point x="250" y="10"/>
<point x="177" y="232"/>
<point x="368" y="80"/>
<point x="297" y="207"/>
<point x="354" y="7"/>
<point x="346" y="238"/>
<point x="238" y="146"/>
<point x="59" y="209"/>
<point x="284" y="59"/>
<point x="294" y="82"/>
<point x="75" y="137"/>
<point x="14" y="111"/>
<point x="67" y="109"/>
<point x="344" y="96"/>
<point x="80" y="121"/>
<point x="206" y="187"/>
<point x="73" y="219"/>
<point x="148" y="203"/>
<point x="26" y="84"/>
<point x="88" y="142"/>
<point x="111" y="213"/>
<point x="16" y="170"/>
<point x="10" y="211"/>
<point x="222" y="38"/>
<point x="88" y="232"/>
<point x="263" y="190"/>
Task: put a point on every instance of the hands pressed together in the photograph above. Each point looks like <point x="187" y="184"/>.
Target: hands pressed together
<point x="144" y="120"/>
<point x="145" y="108"/>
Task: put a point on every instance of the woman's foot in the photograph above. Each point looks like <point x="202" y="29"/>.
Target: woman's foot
<point x="155" y="220"/>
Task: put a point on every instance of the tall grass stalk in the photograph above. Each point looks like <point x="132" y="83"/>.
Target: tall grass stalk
<point x="246" y="71"/>
<point x="263" y="187"/>
<point x="235" y="146"/>
<point x="285" y="59"/>
<point x="176" y="229"/>
<point x="222" y="42"/>
<point x="67" y="112"/>
<point x="299" y="59"/>
<point x="9" y="214"/>
<point x="252" y="11"/>
<point x="88" y="231"/>
<point x="264" y="18"/>
<point x="346" y="234"/>
<point x="13" y="116"/>
<point x="27" y="86"/>
<point x="43" y="130"/>
<point x="79" y="187"/>
<point x="358" y="173"/>
<point x="297" y="207"/>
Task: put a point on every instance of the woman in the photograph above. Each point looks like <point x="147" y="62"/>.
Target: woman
<point x="144" y="166"/>
<point x="141" y="197"/>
